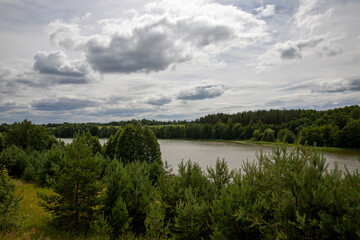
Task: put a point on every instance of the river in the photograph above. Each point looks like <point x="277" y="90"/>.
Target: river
<point x="205" y="153"/>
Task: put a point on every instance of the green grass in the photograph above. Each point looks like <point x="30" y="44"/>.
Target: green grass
<point x="34" y="220"/>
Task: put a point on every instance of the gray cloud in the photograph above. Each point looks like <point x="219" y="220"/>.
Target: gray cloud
<point x="7" y="106"/>
<point x="201" y="92"/>
<point x="164" y="33"/>
<point x="347" y="84"/>
<point x="122" y="112"/>
<point x="62" y="104"/>
<point x="147" y="50"/>
<point x="58" y="69"/>
<point x="117" y="99"/>
<point x="294" y="49"/>
<point x="290" y="50"/>
<point x="158" y="101"/>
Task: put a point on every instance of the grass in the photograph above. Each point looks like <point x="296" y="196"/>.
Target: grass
<point x="34" y="220"/>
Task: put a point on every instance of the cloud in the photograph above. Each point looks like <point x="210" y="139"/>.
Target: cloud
<point x="66" y="35"/>
<point x="267" y="11"/>
<point x="346" y="84"/>
<point x="162" y="34"/>
<point x="290" y="50"/>
<point x="112" y="100"/>
<point x="62" y="104"/>
<point x="201" y="92"/>
<point x="308" y="16"/>
<point x="7" y="106"/>
<point x="66" y="71"/>
<point x="158" y="101"/>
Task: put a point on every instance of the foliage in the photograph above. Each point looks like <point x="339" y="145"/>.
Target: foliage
<point x="137" y="143"/>
<point x="286" y="135"/>
<point x="15" y="159"/>
<point x="127" y="196"/>
<point x="28" y="135"/>
<point x="9" y="201"/>
<point x="76" y="186"/>
<point x="268" y="135"/>
<point x="220" y="175"/>
<point x="156" y="228"/>
<point x="191" y="218"/>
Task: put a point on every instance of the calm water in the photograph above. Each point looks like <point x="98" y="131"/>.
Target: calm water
<point x="206" y="153"/>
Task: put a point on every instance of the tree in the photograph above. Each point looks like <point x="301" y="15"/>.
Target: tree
<point x="28" y="135"/>
<point x="1" y="142"/>
<point x="76" y="186"/>
<point x="137" y="143"/>
<point x="268" y="135"/>
<point x="127" y="196"/>
<point x="286" y="135"/>
<point x="9" y="201"/>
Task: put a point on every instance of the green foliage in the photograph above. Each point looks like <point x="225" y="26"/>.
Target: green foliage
<point x="76" y="186"/>
<point x="50" y="160"/>
<point x="15" y="160"/>
<point x="268" y="135"/>
<point x="288" y="194"/>
<point x="286" y="135"/>
<point x="156" y="228"/>
<point x="28" y="135"/>
<point x="1" y="142"/>
<point x="257" y="135"/>
<point x="220" y="175"/>
<point x="350" y="134"/>
<point x="127" y="196"/>
<point x="191" y="218"/>
<point x="137" y="143"/>
<point x="9" y="201"/>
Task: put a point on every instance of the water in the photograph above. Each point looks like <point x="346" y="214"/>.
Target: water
<point x="206" y="153"/>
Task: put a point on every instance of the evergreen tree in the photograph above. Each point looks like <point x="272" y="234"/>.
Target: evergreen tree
<point x="76" y="186"/>
<point x="9" y="201"/>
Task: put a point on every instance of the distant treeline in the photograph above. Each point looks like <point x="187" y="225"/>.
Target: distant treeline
<point x="338" y="127"/>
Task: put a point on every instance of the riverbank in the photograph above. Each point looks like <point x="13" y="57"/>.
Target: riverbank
<point x="272" y="144"/>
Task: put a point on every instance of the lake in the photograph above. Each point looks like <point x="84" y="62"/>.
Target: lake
<point x="205" y="153"/>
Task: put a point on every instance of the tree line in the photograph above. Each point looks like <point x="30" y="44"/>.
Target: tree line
<point x="123" y="190"/>
<point x="338" y="127"/>
<point x="332" y="128"/>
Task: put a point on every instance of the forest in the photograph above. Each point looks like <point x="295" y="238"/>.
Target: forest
<point x="123" y="190"/>
<point x="331" y="128"/>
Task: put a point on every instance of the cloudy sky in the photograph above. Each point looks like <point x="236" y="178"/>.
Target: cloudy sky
<point x="101" y="61"/>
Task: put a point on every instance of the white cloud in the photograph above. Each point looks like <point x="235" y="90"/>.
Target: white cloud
<point x="309" y="16"/>
<point x="164" y="33"/>
<point x="267" y="11"/>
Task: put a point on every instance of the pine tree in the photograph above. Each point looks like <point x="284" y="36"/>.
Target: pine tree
<point x="76" y="186"/>
<point x="9" y="201"/>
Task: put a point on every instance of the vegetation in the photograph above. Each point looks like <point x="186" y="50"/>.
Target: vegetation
<point x="85" y="191"/>
<point x="331" y="128"/>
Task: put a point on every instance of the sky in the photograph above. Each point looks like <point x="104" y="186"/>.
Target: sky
<point x="102" y="61"/>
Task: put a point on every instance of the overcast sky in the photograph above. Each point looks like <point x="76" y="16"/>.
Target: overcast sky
<point x="101" y="61"/>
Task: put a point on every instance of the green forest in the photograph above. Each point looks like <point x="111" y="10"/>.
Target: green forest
<point x="123" y="190"/>
<point x="331" y="128"/>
